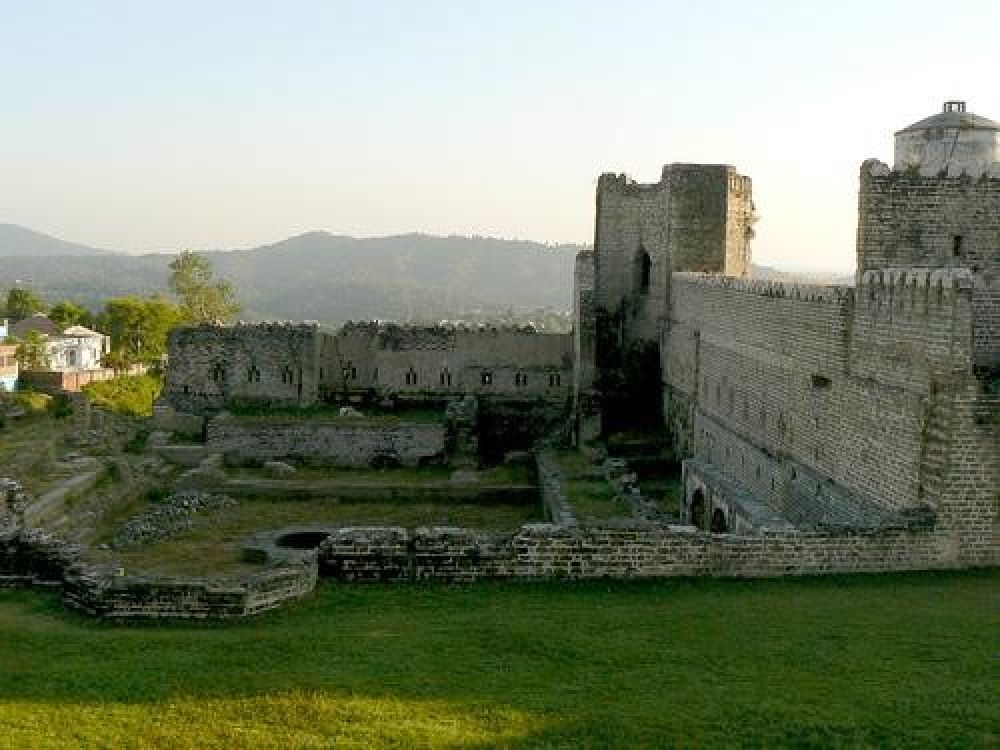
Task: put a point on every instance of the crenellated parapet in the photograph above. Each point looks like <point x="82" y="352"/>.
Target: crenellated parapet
<point x="875" y="168"/>
<point x="834" y="294"/>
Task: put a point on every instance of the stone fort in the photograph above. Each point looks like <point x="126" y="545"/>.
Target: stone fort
<point x="792" y="408"/>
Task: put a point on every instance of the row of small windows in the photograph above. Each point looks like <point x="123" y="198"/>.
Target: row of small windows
<point x="410" y="376"/>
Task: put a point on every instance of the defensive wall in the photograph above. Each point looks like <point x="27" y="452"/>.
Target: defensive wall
<point x="836" y="407"/>
<point x="211" y="367"/>
<point x="280" y="365"/>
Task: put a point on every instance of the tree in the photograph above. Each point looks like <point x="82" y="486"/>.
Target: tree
<point x="138" y="328"/>
<point x="23" y="303"/>
<point x="30" y="352"/>
<point x="66" y="314"/>
<point x="203" y="299"/>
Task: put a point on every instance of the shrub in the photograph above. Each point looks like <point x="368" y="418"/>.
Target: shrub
<point x="129" y="394"/>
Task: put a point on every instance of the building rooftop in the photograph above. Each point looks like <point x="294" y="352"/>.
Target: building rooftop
<point x="953" y="115"/>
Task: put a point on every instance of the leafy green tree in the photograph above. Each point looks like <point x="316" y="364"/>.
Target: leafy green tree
<point x="138" y="328"/>
<point x="203" y="299"/>
<point x="30" y="352"/>
<point x="23" y="303"/>
<point x="66" y="314"/>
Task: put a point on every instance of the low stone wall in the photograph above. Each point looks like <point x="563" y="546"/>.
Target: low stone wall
<point x="102" y="593"/>
<point x="625" y="550"/>
<point x="347" y="442"/>
<point x="553" y="491"/>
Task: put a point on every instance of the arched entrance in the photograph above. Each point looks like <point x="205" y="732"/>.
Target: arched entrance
<point x="719" y="525"/>
<point x="698" y="508"/>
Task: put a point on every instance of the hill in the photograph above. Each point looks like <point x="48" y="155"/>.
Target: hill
<point x="332" y="278"/>
<point x="20" y="241"/>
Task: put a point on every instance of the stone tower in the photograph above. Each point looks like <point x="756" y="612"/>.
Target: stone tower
<point x="953" y="141"/>
<point x="696" y="218"/>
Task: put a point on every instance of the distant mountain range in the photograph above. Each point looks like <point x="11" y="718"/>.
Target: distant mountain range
<point x="327" y="277"/>
<point x="15" y="240"/>
<point x="318" y="276"/>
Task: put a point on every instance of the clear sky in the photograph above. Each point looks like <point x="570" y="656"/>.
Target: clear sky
<point x="165" y="125"/>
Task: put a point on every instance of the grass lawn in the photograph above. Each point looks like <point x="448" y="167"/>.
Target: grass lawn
<point x="212" y="545"/>
<point x="889" y="661"/>
<point x="592" y="500"/>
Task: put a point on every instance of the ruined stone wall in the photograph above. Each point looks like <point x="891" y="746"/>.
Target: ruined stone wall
<point x="348" y="441"/>
<point x="271" y="364"/>
<point x="906" y="220"/>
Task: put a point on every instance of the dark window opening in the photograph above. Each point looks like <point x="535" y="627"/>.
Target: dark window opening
<point x="698" y="508"/>
<point x="956" y="246"/>
<point x="645" y="269"/>
<point x="820" y="381"/>
<point x="354" y="373"/>
<point x="187" y="389"/>
<point x="719" y="525"/>
<point x="487" y="378"/>
<point x="445" y="377"/>
<point x="253" y="374"/>
<point x="218" y="373"/>
<point x="520" y="379"/>
<point x="411" y="377"/>
<point x="555" y="380"/>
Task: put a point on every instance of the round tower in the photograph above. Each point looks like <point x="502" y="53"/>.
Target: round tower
<point x="954" y="140"/>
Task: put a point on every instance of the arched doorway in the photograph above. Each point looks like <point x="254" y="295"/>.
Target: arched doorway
<point x="719" y="525"/>
<point x="698" y="508"/>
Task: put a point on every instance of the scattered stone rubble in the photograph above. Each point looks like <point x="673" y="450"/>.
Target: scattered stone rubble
<point x="168" y="518"/>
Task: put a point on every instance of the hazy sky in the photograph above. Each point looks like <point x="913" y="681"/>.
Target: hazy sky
<point x="164" y="125"/>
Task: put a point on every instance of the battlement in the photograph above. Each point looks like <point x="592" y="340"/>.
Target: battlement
<point x="379" y="327"/>
<point x="916" y="278"/>
<point x="833" y="294"/>
<point x="610" y="182"/>
<point x="874" y="168"/>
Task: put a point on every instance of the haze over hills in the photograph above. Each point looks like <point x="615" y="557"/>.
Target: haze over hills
<point x="16" y="240"/>
<point x="327" y="277"/>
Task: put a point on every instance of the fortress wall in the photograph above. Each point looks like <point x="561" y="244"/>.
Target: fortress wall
<point x="763" y="370"/>
<point x="544" y="362"/>
<point x="913" y="326"/>
<point x="968" y="477"/>
<point x="805" y="322"/>
<point x="349" y="355"/>
<point x="210" y="366"/>
<point x="906" y="220"/>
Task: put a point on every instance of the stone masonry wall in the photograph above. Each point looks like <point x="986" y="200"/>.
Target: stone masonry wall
<point x="906" y="220"/>
<point x="441" y="363"/>
<point x="348" y="441"/>
<point x="270" y="364"/>
<point x="849" y="392"/>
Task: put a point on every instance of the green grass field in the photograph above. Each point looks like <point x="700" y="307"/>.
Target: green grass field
<point x="889" y="661"/>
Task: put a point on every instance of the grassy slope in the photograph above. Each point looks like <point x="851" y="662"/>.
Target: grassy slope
<point x="861" y="661"/>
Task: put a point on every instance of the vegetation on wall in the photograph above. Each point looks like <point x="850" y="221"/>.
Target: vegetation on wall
<point x="128" y="394"/>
